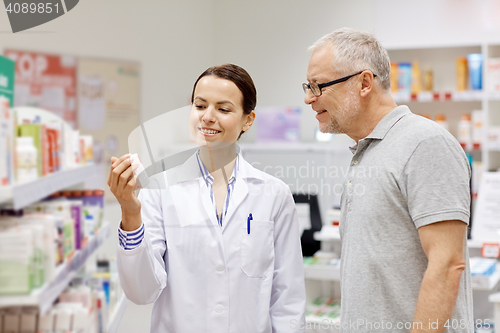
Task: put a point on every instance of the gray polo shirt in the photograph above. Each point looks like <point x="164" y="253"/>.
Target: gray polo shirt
<point x="409" y="172"/>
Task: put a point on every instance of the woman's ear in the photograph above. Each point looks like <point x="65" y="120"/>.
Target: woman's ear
<point x="249" y="121"/>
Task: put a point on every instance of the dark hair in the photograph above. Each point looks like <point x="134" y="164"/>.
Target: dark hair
<point x="240" y="78"/>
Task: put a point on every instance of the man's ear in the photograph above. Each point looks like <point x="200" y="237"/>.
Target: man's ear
<point x="367" y="82"/>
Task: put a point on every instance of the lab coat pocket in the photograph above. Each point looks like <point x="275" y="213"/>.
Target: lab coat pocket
<point x="257" y="249"/>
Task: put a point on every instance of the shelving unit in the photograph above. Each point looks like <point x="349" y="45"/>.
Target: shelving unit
<point x="323" y="273"/>
<point x="445" y="99"/>
<point x="493" y="281"/>
<point x="116" y="317"/>
<point x="23" y="195"/>
<point x="44" y="297"/>
<point x="447" y="96"/>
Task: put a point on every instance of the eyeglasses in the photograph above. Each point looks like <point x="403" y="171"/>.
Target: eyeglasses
<point x="316" y="88"/>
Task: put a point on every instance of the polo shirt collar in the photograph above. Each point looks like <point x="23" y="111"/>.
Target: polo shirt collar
<point x="384" y="125"/>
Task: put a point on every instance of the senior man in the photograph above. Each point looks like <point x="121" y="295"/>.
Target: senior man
<point x="405" y="205"/>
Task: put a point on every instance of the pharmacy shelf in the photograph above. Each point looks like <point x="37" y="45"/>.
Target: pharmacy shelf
<point x="330" y="236"/>
<point x="44" y="297"/>
<point x="455" y="96"/>
<point x="474" y="244"/>
<point x="322" y="272"/>
<point x="436" y="96"/>
<point x="494" y="298"/>
<point x="23" y="195"/>
<point x="493" y="280"/>
<point x="329" y="273"/>
<point x="116" y="317"/>
<point x="327" y="234"/>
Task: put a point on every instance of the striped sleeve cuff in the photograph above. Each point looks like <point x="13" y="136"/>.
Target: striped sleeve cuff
<point x="130" y="240"/>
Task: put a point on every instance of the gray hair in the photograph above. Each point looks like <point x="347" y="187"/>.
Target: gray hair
<point x="356" y="50"/>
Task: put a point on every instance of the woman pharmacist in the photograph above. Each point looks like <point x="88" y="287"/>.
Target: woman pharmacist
<point x="218" y="248"/>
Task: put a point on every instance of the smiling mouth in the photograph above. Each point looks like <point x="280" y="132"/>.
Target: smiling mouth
<point x="320" y="112"/>
<point x="208" y="131"/>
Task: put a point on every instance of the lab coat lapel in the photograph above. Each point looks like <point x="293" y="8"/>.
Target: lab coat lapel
<point x="240" y="192"/>
<point x="207" y="202"/>
<point x="184" y="182"/>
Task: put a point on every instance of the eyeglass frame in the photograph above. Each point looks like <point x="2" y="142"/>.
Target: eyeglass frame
<point x="307" y="86"/>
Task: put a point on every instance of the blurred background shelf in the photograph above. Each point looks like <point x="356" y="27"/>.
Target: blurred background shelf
<point x="44" y="297"/>
<point x="327" y="234"/>
<point x="492" y="283"/>
<point x="116" y="317"/>
<point x="24" y="194"/>
<point x="322" y="273"/>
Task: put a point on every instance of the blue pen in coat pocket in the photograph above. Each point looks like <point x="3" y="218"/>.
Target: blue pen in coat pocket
<point x="248" y="223"/>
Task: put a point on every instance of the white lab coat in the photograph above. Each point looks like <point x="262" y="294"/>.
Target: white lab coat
<point x="207" y="278"/>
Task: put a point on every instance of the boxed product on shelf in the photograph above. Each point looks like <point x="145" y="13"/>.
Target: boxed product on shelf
<point x="494" y="137"/>
<point x="71" y="148"/>
<point x="54" y="138"/>
<point x="441" y="121"/>
<point x="28" y="320"/>
<point x="62" y="208"/>
<point x="464" y="132"/>
<point x="493" y="74"/>
<point x="17" y="260"/>
<point x="54" y="225"/>
<point x="93" y="205"/>
<point x="394" y="77"/>
<point x="76" y="207"/>
<point x="462" y="73"/>
<point x="6" y="143"/>
<point x="44" y="256"/>
<point x="404" y="77"/>
<point x="27" y="160"/>
<point x="323" y="311"/>
<point x="416" y="78"/>
<point x="332" y="217"/>
<point x="322" y="258"/>
<point x="481" y="269"/>
<point x="477" y="172"/>
<point x="428" y="80"/>
<point x="59" y="146"/>
<point x="475" y="63"/>
<point x="90" y="203"/>
<point x="86" y="151"/>
<point x="87" y="305"/>
<point x="47" y="230"/>
<point x="37" y="132"/>
<point x="477" y="119"/>
<point x="78" y="215"/>
<point x="12" y="320"/>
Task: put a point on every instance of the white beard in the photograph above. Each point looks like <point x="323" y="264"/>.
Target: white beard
<point x="344" y="116"/>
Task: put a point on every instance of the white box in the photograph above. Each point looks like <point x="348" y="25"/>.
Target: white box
<point x="6" y="143"/>
<point x="493" y="74"/>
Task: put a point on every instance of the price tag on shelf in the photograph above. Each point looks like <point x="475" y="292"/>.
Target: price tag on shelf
<point x="425" y="96"/>
<point x="477" y="95"/>
<point x="458" y="96"/>
<point x="494" y="95"/>
<point x="490" y="250"/>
